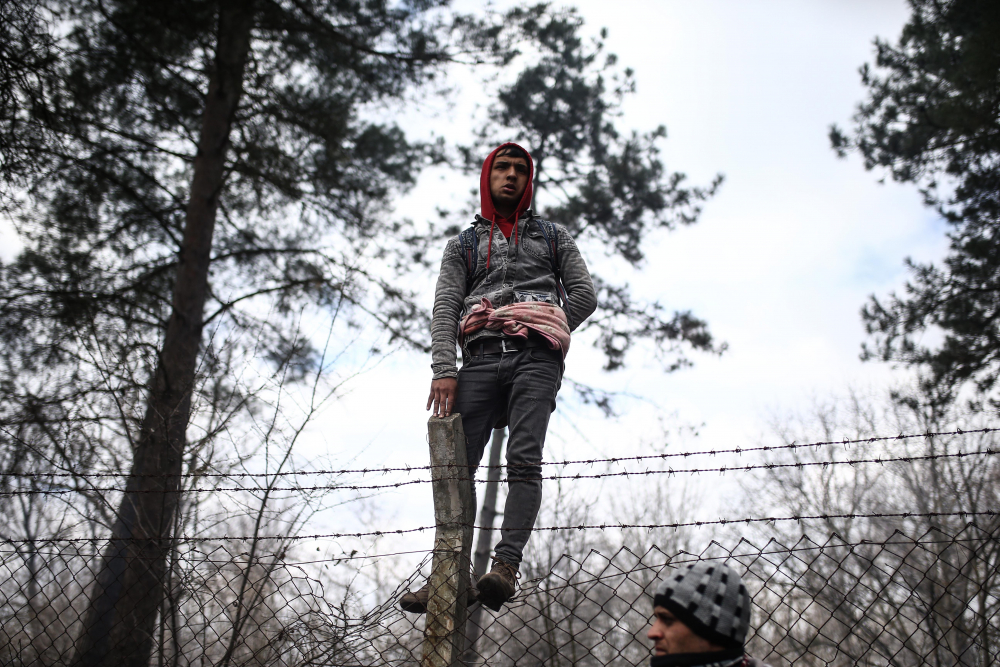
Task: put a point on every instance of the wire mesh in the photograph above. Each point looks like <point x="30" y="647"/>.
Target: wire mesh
<point x="909" y="599"/>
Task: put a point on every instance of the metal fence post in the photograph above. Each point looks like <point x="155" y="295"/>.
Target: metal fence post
<point x="454" y="515"/>
<point x="484" y="543"/>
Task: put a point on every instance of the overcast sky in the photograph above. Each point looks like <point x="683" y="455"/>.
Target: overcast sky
<point x="779" y="265"/>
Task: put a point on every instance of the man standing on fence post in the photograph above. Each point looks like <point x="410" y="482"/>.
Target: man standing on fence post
<point x="701" y="616"/>
<point x="511" y="289"/>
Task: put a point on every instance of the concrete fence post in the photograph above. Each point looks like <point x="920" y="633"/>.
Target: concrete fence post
<point x="454" y="515"/>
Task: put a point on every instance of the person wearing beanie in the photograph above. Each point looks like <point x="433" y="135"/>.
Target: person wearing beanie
<point x="512" y="289"/>
<point x="701" y="616"/>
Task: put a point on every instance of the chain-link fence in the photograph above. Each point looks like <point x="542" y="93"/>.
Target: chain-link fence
<point x="910" y="599"/>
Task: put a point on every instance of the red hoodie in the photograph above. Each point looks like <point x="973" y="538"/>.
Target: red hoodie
<point x="506" y="225"/>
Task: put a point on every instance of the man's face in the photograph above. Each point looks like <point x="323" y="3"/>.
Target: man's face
<point x="669" y="636"/>
<point x="508" y="179"/>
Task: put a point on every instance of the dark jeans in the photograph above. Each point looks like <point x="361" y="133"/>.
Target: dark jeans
<point x="516" y="389"/>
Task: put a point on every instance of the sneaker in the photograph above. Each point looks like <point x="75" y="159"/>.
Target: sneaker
<point x="416" y="602"/>
<point x="498" y="585"/>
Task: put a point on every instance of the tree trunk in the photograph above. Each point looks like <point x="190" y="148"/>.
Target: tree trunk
<point x="487" y="517"/>
<point x="119" y="625"/>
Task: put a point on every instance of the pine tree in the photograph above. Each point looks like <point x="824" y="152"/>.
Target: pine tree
<point x="932" y="118"/>
<point x="172" y="166"/>
<point x="172" y="162"/>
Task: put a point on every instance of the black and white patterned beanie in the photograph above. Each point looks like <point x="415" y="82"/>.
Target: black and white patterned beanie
<point x="711" y="600"/>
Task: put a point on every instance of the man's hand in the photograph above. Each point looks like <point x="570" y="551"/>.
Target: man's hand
<point x="442" y="396"/>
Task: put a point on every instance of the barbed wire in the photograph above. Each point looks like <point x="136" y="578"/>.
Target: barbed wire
<point x="601" y="526"/>
<point x="679" y="557"/>
<point x="201" y="556"/>
<point x="722" y="470"/>
<point x="593" y="461"/>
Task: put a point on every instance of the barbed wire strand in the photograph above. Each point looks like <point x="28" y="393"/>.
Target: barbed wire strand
<point x="722" y="470"/>
<point x="680" y="557"/>
<point x="602" y="526"/>
<point x="594" y="461"/>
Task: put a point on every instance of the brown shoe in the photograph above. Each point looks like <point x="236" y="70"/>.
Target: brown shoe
<point x="498" y="585"/>
<point x="415" y="602"/>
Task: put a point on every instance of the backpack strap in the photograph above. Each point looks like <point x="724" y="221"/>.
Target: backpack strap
<point x="551" y="235"/>
<point x="468" y="242"/>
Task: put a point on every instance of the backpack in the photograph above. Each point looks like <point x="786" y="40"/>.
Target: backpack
<point x="468" y="242"/>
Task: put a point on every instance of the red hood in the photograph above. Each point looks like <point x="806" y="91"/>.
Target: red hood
<point x="486" y="199"/>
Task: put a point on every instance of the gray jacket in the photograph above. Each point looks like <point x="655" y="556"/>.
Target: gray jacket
<point x="517" y="273"/>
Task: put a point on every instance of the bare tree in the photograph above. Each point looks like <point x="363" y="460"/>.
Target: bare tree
<point x="892" y="590"/>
